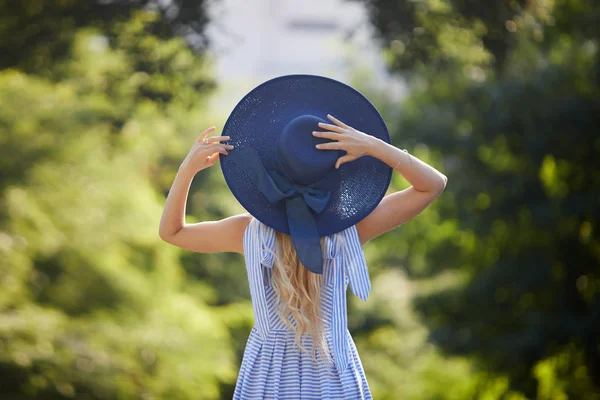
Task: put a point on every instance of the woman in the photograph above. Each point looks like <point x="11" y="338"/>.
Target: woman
<point x="300" y="347"/>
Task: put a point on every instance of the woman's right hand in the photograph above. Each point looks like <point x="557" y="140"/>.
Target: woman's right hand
<point x="205" y="151"/>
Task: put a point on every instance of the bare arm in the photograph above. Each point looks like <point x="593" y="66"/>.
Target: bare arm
<point x="202" y="237"/>
<point x="397" y="208"/>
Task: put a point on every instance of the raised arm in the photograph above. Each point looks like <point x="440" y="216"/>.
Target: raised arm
<point x="399" y="207"/>
<point x="396" y="208"/>
<point x="202" y="237"/>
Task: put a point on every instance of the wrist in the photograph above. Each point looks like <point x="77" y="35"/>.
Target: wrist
<point x="185" y="170"/>
<point x="372" y="145"/>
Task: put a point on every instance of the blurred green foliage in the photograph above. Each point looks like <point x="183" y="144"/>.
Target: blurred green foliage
<point x="92" y="303"/>
<point x="505" y="95"/>
<point x="34" y="34"/>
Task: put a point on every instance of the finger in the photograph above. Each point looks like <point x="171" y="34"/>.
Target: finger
<point x="327" y="135"/>
<point x="329" y="146"/>
<point x="223" y="150"/>
<point x="342" y="160"/>
<point x="217" y="138"/>
<point x="214" y="146"/>
<point x="215" y="150"/>
<point x="337" y="121"/>
<point x="334" y="128"/>
<point x="205" y="133"/>
<point x="219" y="150"/>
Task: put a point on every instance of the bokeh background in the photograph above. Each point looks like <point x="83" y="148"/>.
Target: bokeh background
<point x="493" y="292"/>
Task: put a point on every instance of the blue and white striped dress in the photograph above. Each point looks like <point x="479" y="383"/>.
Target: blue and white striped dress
<point x="272" y="366"/>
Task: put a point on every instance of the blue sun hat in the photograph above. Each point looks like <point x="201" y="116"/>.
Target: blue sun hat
<point x="280" y="177"/>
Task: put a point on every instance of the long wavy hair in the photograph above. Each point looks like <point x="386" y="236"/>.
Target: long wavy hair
<point x="298" y="293"/>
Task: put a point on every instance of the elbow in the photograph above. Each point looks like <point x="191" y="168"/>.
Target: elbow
<point x="165" y="236"/>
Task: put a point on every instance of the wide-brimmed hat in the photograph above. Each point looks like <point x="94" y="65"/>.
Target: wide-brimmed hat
<point x="280" y="177"/>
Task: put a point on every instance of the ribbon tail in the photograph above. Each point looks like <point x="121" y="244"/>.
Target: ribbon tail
<point x="304" y="233"/>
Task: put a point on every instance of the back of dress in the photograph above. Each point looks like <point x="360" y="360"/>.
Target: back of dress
<point x="272" y="366"/>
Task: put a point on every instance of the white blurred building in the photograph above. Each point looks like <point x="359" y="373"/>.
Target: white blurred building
<point x="256" y="40"/>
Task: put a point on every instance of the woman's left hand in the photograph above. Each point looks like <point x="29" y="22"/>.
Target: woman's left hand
<point x="354" y="142"/>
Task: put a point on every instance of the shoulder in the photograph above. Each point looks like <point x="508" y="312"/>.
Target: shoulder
<point x="243" y="221"/>
<point x="237" y="227"/>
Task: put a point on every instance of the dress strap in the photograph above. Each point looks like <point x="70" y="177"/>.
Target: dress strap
<point x="267" y="245"/>
<point x="350" y="263"/>
<point x="259" y="248"/>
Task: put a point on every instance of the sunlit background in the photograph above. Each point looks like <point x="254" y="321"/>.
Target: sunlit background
<point x="490" y="293"/>
<point x="252" y="42"/>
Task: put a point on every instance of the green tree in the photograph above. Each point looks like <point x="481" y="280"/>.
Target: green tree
<point x="92" y="302"/>
<point x="508" y="94"/>
<point x="34" y="34"/>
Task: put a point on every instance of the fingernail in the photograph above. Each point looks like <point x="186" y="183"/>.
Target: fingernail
<point x="317" y="145"/>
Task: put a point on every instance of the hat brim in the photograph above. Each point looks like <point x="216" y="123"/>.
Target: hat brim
<point x="259" y="118"/>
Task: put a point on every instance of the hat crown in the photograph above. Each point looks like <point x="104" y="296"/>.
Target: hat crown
<point x="302" y="161"/>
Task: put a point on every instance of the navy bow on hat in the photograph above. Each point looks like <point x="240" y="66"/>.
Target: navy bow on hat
<point x="299" y="199"/>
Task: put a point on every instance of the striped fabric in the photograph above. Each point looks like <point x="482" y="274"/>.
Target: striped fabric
<point x="272" y="366"/>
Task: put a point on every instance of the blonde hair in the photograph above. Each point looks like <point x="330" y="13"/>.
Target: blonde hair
<point x="298" y="293"/>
